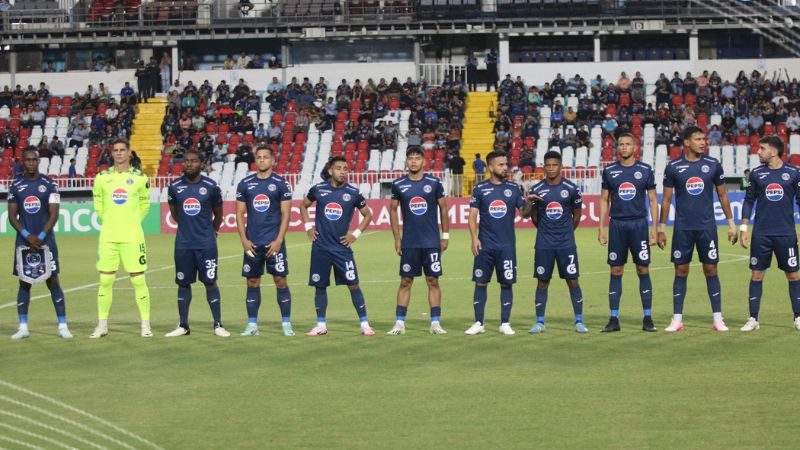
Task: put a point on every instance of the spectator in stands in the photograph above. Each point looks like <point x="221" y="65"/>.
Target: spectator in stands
<point x="8" y="139"/>
<point x="253" y="103"/>
<point x="321" y="88"/>
<point x="276" y="101"/>
<point x="198" y="123"/>
<point x="78" y="135"/>
<point x="570" y="139"/>
<point x="165" y="71"/>
<point x="472" y="72"/>
<point x="745" y="182"/>
<point x="188" y="103"/>
<point x="188" y="62"/>
<point x="256" y="63"/>
<point x="243" y="61"/>
<point x="241" y="90"/>
<point x="275" y="86"/>
<point x="6" y="97"/>
<point x="72" y="173"/>
<point x="56" y="147"/>
<point x="479" y="166"/>
<point x="142" y="81"/>
<point x="96" y="134"/>
<point x="610" y="125"/>
<point x="715" y="135"/>
<point x="729" y="124"/>
<point x="261" y="132"/>
<point x="44" y="148"/>
<point x="185" y="140"/>
<point x="793" y="122"/>
<point x="245" y="6"/>
<point x="491" y="60"/>
<point x="136" y="162"/>
<point x="274" y="63"/>
<point x="728" y="90"/>
<point x="219" y="152"/>
<point x="37" y="117"/>
<point x="225" y="113"/>
<point x="244" y="154"/>
<point x="105" y="158"/>
<point x="228" y="64"/>
<point x="456" y="167"/>
<point x="663" y="135"/>
<point x="755" y="122"/>
<point x="274" y="133"/>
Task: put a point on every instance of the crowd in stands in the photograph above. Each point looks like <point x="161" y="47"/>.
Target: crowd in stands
<point x="242" y="61"/>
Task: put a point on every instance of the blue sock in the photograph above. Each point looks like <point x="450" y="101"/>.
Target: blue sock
<point x="755" y="298"/>
<point x="678" y="294"/>
<point x="59" y="302"/>
<point x="714" y="293"/>
<point x="506" y="302"/>
<point x="400" y="312"/>
<point x="576" y="295"/>
<point x="359" y="304"/>
<point x="614" y="294"/>
<point x="184" y="300"/>
<point x="541" y="303"/>
<point x="794" y="292"/>
<point x="23" y="300"/>
<point x="646" y="291"/>
<point x="321" y="303"/>
<point x="285" y="304"/>
<point x="213" y="298"/>
<point x="436" y="313"/>
<point x="479" y="302"/>
<point x="253" y="303"/>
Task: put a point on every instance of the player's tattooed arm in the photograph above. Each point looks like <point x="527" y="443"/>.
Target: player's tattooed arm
<point x="666" y="204"/>
<point x="366" y="217"/>
<point x="445" y="224"/>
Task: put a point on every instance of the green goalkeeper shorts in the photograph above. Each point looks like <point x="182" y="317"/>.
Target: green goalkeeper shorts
<point x="132" y="254"/>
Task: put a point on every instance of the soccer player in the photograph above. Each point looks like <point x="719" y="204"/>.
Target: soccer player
<point x="266" y="198"/>
<point x="121" y="201"/>
<point x="195" y="202"/>
<point x="494" y="201"/>
<point x="772" y="188"/>
<point x="556" y="212"/>
<point x="421" y="198"/>
<point x="33" y="203"/>
<point x="336" y="201"/>
<point x="693" y="178"/>
<point x="628" y="186"/>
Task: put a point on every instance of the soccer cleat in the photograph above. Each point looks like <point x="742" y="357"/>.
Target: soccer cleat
<point x="21" y="334"/>
<point x="287" y="329"/>
<point x="367" y="330"/>
<point x="751" y="325"/>
<point x="221" y="332"/>
<point x="537" y="328"/>
<point x="476" y="328"/>
<point x="506" y="330"/>
<point x="719" y="326"/>
<point x="318" y="331"/>
<point x="648" y="325"/>
<point x="436" y="328"/>
<point x="581" y="328"/>
<point x="612" y="326"/>
<point x="250" y="330"/>
<point x="99" y="331"/>
<point x="674" y="326"/>
<point x="797" y="323"/>
<point x="398" y="329"/>
<point x="63" y="333"/>
<point x="180" y="331"/>
<point x="147" y="332"/>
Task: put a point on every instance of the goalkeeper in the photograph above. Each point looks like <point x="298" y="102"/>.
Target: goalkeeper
<point x="121" y="201"/>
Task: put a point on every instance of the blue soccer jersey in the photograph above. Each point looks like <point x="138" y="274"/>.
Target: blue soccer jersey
<point x="556" y="230"/>
<point x="194" y="203"/>
<point x="694" y="183"/>
<point x="263" y="197"/>
<point x="627" y="188"/>
<point x="33" y="198"/>
<point x="496" y="204"/>
<point x="334" y="211"/>
<point x="774" y="192"/>
<point x="419" y="203"/>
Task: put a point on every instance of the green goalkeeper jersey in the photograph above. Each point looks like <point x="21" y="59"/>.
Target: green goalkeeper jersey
<point x="121" y="201"/>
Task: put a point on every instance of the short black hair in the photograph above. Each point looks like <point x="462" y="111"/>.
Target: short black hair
<point x="30" y="149"/>
<point x="414" y="151"/>
<point x="264" y="147"/>
<point x="200" y="155"/>
<point x="691" y="131"/>
<point x="334" y="159"/>
<point x="627" y="135"/>
<point x="552" y="154"/>
<point x="774" y="142"/>
<point x="495" y="154"/>
<point x="120" y="141"/>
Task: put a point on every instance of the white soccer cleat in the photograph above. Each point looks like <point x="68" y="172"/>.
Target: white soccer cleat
<point x="751" y="325"/>
<point x="719" y="326"/>
<point x="221" y="332"/>
<point x="21" y="333"/>
<point x="367" y="330"/>
<point x="797" y="324"/>
<point x="436" y="328"/>
<point x="398" y="329"/>
<point x="505" y="329"/>
<point x="318" y="331"/>
<point x="63" y="333"/>
<point x="180" y="331"/>
<point x="674" y="326"/>
<point x="99" y="332"/>
<point x="476" y="328"/>
<point x="146" y="330"/>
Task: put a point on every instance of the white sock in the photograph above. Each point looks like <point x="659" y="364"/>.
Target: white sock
<point x="717" y="317"/>
<point x="145" y="323"/>
<point x="23" y="326"/>
<point x="364" y="324"/>
<point x="321" y="324"/>
<point x="434" y="322"/>
<point x="677" y="317"/>
<point x="400" y="323"/>
<point x="62" y="326"/>
<point x="102" y="323"/>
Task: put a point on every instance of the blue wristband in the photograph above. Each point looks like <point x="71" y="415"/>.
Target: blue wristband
<point x="42" y="235"/>
<point x="25" y="233"/>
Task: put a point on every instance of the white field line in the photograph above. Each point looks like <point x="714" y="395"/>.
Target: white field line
<point x="18" y="442"/>
<point x="49" y="428"/>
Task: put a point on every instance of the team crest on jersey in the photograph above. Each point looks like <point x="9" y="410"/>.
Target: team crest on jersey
<point x="612" y="256"/>
<point x="427" y="189"/>
<point x="203" y="191"/>
<point x="129" y="181"/>
<point x="119" y="196"/>
<point x="418" y="206"/>
<point x="42" y="188"/>
<point x="498" y="209"/>
<point x="564" y="194"/>
<point x="478" y="273"/>
<point x="192" y="206"/>
<point x="676" y="254"/>
<point x="704" y="168"/>
<point x="507" y="193"/>
<point x="261" y="202"/>
<point x="626" y="191"/>
<point x="333" y="211"/>
<point x="32" y="204"/>
<point x="774" y="192"/>
<point x="553" y="211"/>
<point x="179" y="275"/>
<point x="695" y="186"/>
<point x="346" y="197"/>
<point x="637" y="175"/>
<point x="785" y="177"/>
<point x="406" y="267"/>
<point x="540" y="270"/>
<point x="272" y="188"/>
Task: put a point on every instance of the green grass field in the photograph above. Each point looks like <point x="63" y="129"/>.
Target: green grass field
<point x="626" y="390"/>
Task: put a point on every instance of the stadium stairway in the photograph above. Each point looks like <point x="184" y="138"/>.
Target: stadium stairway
<point x="146" y="138"/>
<point x="478" y="134"/>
